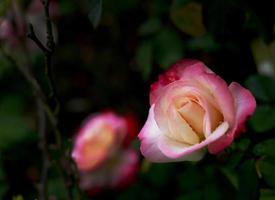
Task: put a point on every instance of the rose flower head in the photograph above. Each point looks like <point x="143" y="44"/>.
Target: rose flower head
<point x="99" y="152"/>
<point x="192" y="108"/>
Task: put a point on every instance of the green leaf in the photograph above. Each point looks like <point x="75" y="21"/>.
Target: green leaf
<point x="13" y="126"/>
<point x="95" y="12"/>
<point x="66" y="7"/>
<point x="205" y="43"/>
<point x="11" y="104"/>
<point x="5" y="67"/>
<point x="248" y="181"/>
<point x="4" y="5"/>
<point x="151" y="26"/>
<point x="267" y="169"/>
<point x="267" y="194"/>
<point x="168" y="48"/>
<point x="263" y="119"/>
<point x="262" y="87"/>
<point x="144" y="58"/>
<point x="265" y="148"/>
<point x="231" y="176"/>
<point x="159" y="174"/>
<point x="188" y="17"/>
<point x="57" y="188"/>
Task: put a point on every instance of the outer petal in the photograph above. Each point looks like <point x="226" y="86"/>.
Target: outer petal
<point x="119" y="171"/>
<point x="173" y="74"/>
<point x="245" y="105"/>
<point x="149" y="136"/>
<point x="180" y="151"/>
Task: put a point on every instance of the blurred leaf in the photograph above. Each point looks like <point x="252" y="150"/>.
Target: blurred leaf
<point x="66" y="7"/>
<point x="160" y="174"/>
<point x="95" y="12"/>
<point x="145" y="166"/>
<point x="12" y="125"/>
<point x="11" y="104"/>
<point x="231" y="176"/>
<point x="151" y="26"/>
<point x="263" y="87"/>
<point x="241" y="144"/>
<point x="18" y="197"/>
<point x="168" y="48"/>
<point x="267" y="194"/>
<point x="194" y="177"/>
<point x="159" y="7"/>
<point x="57" y="188"/>
<point x="144" y="58"/>
<point x="265" y="148"/>
<point x="188" y="17"/>
<point x="263" y="119"/>
<point x="13" y="129"/>
<point x="205" y="43"/>
<point x="4" y="5"/>
<point x="248" y="181"/>
<point x="267" y="169"/>
<point x="5" y="67"/>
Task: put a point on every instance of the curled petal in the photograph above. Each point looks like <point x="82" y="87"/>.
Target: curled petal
<point x="245" y="105"/>
<point x="149" y="136"/>
<point x="177" y="150"/>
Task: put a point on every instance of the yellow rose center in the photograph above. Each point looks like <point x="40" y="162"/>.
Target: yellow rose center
<point x="97" y="145"/>
<point x="189" y="122"/>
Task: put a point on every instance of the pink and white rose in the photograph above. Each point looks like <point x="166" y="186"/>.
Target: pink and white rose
<point x="192" y="109"/>
<point x="100" y="153"/>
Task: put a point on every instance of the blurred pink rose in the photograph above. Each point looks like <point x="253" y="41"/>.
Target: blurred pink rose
<point x="13" y="27"/>
<point x="193" y="108"/>
<point x="99" y="153"/>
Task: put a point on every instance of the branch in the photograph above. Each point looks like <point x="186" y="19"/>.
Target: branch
<point x="34" y="38"/>
<point x="44" y="148"/>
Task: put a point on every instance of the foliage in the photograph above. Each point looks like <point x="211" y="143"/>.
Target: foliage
<point x="107" y="55"/>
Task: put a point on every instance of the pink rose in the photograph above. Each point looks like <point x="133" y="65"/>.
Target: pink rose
<point x="193" y="108"/>
<point x="13" y="27"/>
<point x="100" y="153"/>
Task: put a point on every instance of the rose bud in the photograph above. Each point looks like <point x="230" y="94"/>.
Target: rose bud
<point x="192" y="108"/>
<point x="100" y="154"/>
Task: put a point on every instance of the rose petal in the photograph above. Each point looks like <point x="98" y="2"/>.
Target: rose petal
<point x="173" y="74"/>
<point x="176" y="150"/>
<point x="149" y="136"/>
<point x="179" y="129"/>
<point x="245" y="105"/>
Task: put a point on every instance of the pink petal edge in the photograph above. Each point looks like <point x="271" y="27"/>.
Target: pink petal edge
<point x="245" y="105"/>
<point x="148" y="136"/>
<point x="176" y="150"/>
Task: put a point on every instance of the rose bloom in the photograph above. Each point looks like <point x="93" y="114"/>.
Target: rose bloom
<point x="101" y="157"/>
<point x="193" y="108"/>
